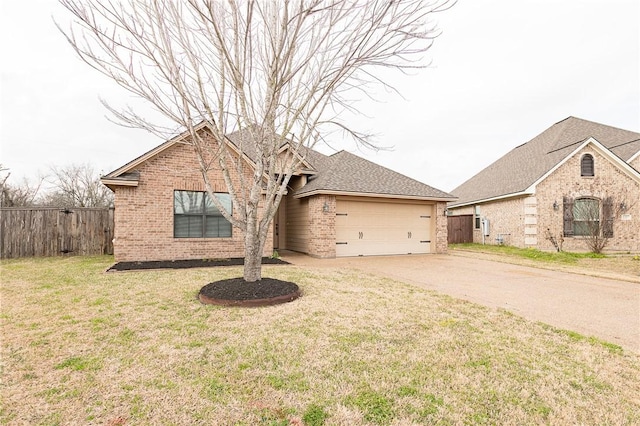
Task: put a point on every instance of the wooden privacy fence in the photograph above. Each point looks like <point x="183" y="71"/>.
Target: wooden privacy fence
<point x="44" y="231"/>
<point x="460" y="229"/>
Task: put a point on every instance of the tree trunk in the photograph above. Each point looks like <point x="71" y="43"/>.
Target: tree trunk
<point x="253" y="250"/>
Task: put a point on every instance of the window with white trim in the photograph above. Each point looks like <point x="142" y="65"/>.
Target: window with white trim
<point x="476" y="217"/>
<point x="195" y="215"/>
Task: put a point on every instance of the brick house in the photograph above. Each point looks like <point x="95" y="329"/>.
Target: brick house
<point x="544" y="188"/>
<point x="336" y="205"/>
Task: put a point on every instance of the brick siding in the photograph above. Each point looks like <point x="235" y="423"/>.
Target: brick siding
<point x="528" y="221"/>
<point x="144" y="214"/>
<point x="609" y="181"/>
<point x="322" y="226"/>
<point x="144" y="217"/>
<point x="440" y="228"/>
<point x="506" y="222"/>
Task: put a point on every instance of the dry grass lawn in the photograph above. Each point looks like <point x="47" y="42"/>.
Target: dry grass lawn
<point x="83" y="347"/>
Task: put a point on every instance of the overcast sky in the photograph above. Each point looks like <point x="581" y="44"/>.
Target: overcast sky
<point x="501" y="72"/>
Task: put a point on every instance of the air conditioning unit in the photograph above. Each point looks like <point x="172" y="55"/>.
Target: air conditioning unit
<point x="485" y="227"/>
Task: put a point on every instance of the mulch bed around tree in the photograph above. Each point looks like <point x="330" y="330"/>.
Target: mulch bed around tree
<point x="229" y="292"/>
<point x="191" y="263"/>
<point x="238" y="292"/>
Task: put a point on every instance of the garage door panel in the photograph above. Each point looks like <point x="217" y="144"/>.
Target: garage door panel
<point x="378" y="228"/>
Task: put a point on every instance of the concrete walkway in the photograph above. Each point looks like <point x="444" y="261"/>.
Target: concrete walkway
<point x="604" y="308"/>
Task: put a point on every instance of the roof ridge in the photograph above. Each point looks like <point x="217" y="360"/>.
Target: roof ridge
<point x="569" y="145"/>
<point x="603" y="125"/>
<point x="565" y="119"/>
<point x="581" y="121"/>
<point x="624" y="143"/>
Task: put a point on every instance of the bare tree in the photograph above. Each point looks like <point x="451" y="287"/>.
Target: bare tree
<point x="20" y="195"/>
<point x="77" y="186"/>
<point x="557" y="241"/>
<point x="282" y="70"/>
<point x="3" y="182"/>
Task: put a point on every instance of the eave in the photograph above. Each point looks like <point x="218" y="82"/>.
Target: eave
<point x="372" y="195"/>
<point x="119" y="182"/>
<point x="525" y="193"/>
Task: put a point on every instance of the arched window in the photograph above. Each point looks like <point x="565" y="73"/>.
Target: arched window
<point x="586" y="216"/>
<point x="586" y="165"/>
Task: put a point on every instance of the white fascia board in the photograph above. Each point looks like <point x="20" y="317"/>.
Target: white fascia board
<point x="141" y="159"/>
<point x="168" y="144"/>
<point x="155" y="151"/>
<point x="118" y="182"/>
<point x="488" y="200"/>
<point x="287" y="146"/>
<point x="372" y="195"/>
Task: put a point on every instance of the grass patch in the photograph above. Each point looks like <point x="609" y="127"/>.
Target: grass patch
<point x="528" y="253"/>
<point x="314" y="415"/>
<point x="611" y="347"/>
<point x="78" y="363"/>
<point x="376" y="407"/>
<point x="138" y="348"/>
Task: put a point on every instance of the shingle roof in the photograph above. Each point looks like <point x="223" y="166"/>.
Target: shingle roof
<point x="344" y="172"/>
<point x="525" y="164"/>
<point x="347" y="173"/>
<point x="341" y="172"/>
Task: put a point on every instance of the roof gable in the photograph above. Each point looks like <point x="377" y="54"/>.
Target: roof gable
<point x="342" y="172"/>
<point x="521" y="168"/>
<point x="234" y="140"/>
<point x="603" y="151"/>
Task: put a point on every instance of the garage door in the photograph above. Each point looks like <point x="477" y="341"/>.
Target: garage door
<point x="366" y="228"/>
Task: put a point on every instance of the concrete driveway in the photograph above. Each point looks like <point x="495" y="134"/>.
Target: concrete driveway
<point x="605" y="308"/>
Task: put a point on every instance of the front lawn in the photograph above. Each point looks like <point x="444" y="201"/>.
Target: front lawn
<point x="620" y="265"/>
<point x="80" y="346"/>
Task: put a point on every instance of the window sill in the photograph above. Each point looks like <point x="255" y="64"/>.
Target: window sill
<point x="202" y="238"/>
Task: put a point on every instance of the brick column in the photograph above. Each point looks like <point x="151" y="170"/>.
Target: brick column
<point x="322" y="226"/>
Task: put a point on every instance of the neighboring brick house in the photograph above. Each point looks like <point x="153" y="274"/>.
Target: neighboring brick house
<point x="337" y="205"/>
<point x="543" y="188"/>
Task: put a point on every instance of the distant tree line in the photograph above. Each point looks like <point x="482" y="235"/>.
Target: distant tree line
<point x="69" y="186"/>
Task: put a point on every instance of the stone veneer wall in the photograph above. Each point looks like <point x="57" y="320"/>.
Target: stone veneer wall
<point x="442" y="246"/>
<point x="530" y="220"/>
<point x="144" y="214"/>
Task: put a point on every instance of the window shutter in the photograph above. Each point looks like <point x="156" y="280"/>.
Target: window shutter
<point x="567" y="216"/>
<point x="607" y="217"/>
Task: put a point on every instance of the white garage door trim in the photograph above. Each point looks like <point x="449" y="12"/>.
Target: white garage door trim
<point x="367" y="227"/>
